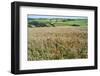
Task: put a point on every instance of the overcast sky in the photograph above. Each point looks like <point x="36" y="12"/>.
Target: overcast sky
<point x="48" y="16"/>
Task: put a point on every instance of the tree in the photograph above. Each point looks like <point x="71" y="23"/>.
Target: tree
<point x="37" y="24"/>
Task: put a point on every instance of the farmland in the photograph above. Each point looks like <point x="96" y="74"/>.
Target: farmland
<point x="62" y="39"/>
<point x="57" y="43"/>
<point x="57" y="22"/>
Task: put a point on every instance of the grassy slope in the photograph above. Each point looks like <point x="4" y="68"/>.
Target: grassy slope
<point x="68" y="23"/>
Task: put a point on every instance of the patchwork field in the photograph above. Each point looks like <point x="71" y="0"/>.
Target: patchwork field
<point x="63" y="42"/>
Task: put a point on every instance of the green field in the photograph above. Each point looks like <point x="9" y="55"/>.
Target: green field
<point x="57" y="39"/>
<point x="59" y="22"/>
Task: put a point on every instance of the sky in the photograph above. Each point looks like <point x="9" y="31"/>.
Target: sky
<point x="51" y="16"/>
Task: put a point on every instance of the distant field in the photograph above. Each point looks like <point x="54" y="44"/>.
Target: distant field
<point x="50" y="43"/>
<point x="58" y="22"/>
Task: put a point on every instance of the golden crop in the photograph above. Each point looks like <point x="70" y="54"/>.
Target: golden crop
<point x="51" y="43"/>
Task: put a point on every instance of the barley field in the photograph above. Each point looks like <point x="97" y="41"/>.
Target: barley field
<point x="56" y="43"/>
